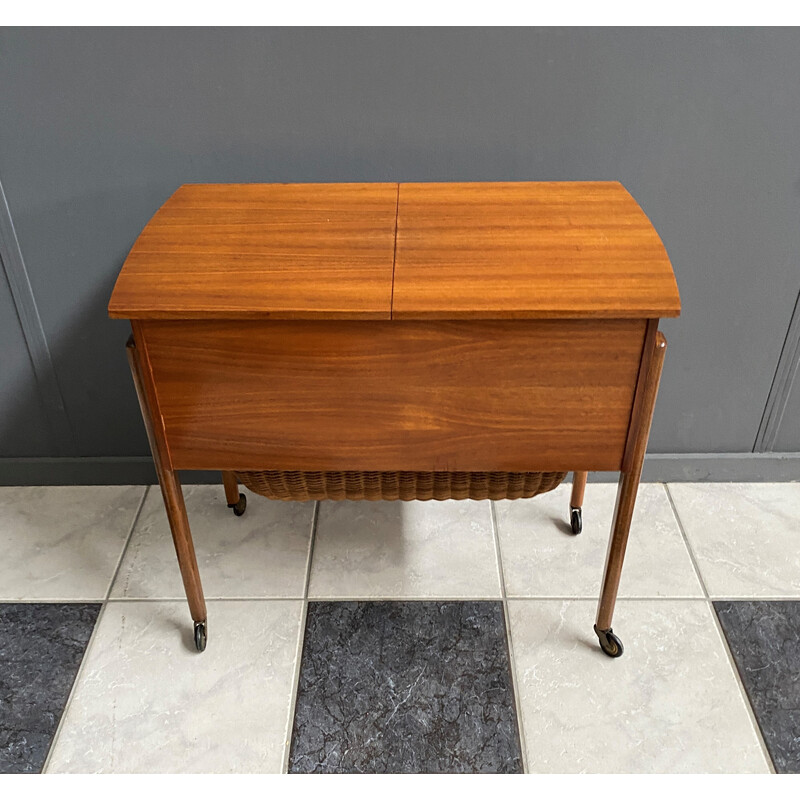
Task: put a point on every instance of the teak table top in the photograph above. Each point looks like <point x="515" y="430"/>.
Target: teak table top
<point x="510" y="250"/>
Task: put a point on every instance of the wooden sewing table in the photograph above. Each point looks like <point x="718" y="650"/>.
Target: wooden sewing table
<point x="382" y="340"/>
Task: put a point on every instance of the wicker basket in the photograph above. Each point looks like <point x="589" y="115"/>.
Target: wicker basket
<point x="357" y="485"/>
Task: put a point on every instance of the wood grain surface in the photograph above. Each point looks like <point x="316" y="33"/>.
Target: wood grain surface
<point x="463" y="251"/>
<point x="288" y="251"/>
<point x="649" y="378"/>
<point x="528" y="250"/>
<point x="170" y="484"/>
<point x="481" y="395"/>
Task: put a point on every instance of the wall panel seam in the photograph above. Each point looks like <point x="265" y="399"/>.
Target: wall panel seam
<point x="778" y="397"/>
<point x="58" y="423"/>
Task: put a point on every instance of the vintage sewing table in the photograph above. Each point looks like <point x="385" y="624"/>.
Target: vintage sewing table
<point x="376" y="340"/>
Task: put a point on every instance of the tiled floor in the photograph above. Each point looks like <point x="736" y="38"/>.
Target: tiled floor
<point x="400" y="637"/>
<point x="438" y="697"/>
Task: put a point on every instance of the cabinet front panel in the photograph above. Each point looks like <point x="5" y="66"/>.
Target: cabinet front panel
<point x="415" y="395"/>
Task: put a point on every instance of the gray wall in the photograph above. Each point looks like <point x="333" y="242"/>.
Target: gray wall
<point x="99" y="126"/>
<point x="789" y="431"/>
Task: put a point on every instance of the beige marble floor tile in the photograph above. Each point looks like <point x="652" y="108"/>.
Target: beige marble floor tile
<point x="261" y="554"/>
<point x="146" y="701"/>
<point x="404" y="550"/>
<point x="671" y="703"/>
<point x="541" y="557"/>
<point x="745" y="536"/>
<point x="63" y="542"/>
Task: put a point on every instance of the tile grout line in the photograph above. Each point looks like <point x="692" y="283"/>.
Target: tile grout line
<point x="695" y="565"/>
<point x="85" y="657"/>
<point x="399" y="599"/>
<point x="767" y="598"/>
<point x="287" y="739"/>
<point x="209" y="599"/>
<point x="367" y="598"/>
<point x="593" y="598"/>
<point x="721" y="634"/>
<point x="512" y="663"/>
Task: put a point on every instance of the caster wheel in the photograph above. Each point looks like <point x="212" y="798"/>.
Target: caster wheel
<point x="610" y="643"/>
<point x="200" y="636"/>
<point x="239" y="506"/>
<point x="576" y="520"/>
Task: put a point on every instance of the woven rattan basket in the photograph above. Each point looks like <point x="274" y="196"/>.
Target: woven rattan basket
<point x="356" y="485"/>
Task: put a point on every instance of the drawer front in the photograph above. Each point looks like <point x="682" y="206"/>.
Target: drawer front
<point x="414" y="395"/>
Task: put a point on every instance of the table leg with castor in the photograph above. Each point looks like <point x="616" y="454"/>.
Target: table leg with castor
<point x="626" y="498"/>
<point x="175" y="506"/>
<point x="184" y="548"/>
<point x="234" y="498"/>
<point x="576" y="501"/>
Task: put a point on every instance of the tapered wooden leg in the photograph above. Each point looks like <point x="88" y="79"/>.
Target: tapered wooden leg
<point x="231" y="487"/>
<point x="578" y="488"/>
<point x="626" y="499"/>
<point x="235" y="499"/>
<point x="576" y="501"/>
<point x="623" y="513"/>
<point x="184" y="547"/>
<point x="176" y="511"/>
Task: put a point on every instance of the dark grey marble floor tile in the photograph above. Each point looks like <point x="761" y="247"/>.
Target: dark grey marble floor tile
<point x="41" y="647"/>
<point x="416" y="687"/>
<point x="764" y="637"/>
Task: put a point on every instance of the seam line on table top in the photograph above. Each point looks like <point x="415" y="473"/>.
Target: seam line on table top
<point x="394" y="252"/>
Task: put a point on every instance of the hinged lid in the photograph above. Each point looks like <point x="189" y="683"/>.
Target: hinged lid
<point x="243" y="251"/>
<point x="413" y="251"/>
<point x="527" y="250"/>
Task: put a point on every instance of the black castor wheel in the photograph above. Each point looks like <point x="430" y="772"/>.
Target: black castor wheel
<point x="610" y="643"/>
<point x="200" y="636"/>
<point x="239" y="506"/>
<point x="576" y="520"/>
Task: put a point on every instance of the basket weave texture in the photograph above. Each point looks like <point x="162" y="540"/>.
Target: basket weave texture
<point x="357" y="485"/>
